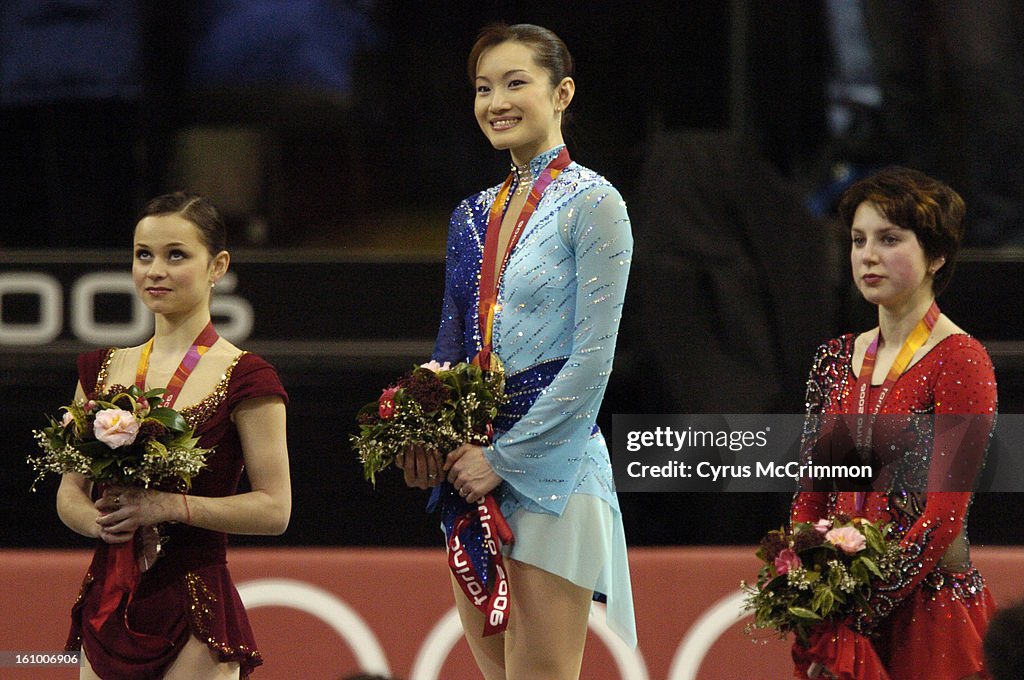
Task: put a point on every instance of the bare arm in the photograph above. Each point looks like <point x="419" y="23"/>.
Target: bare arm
<point x="266" y="509"/>
<point x="74" y="498"/>
<point x="75" y="506"/>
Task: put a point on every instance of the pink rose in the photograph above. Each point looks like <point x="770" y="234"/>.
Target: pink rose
<point x="386" y="403"/>
<point x="823" y="525"/>
<point x="115" y="427"/>
<point x="435" y="367"/>
<point x="67" y="419"/>
<point x="786" y="560"/>
<point x="847" y="539"/>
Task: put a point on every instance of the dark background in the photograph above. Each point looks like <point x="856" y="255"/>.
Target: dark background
<point x="336" y="136"/>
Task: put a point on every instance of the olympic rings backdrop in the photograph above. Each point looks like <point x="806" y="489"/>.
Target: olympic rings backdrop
<point x="327" y="613"/>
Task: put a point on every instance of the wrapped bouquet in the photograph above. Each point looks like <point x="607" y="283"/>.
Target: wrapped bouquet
<point x="440" y="407"/>
<point x="121" y="437"/>
<point x="818" y="572"/>
<point x="436" y="406"/>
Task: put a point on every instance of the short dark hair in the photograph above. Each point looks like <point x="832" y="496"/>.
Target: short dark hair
<point x="548" y="49"/>
<point x="1004" y="656"/>
<point x="911" y="199"/>
<point x="197" y="210"/>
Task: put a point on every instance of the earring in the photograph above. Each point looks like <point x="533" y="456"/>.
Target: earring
<point x="213" y="284"/>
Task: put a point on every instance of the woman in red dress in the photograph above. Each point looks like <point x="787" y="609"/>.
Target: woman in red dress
<point x="926" y="623"/>
<point x="181" y="617"/>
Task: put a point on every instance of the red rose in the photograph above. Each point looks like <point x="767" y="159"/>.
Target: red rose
<point x="386" y="403"/>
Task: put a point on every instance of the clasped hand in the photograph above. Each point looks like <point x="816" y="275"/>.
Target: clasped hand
<point x="127" y="510"/>
<point x="466" y="468"/>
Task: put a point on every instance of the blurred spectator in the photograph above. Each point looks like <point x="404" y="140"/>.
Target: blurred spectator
<point x="296" y="43"/>
<point x="952" y="79"/>
<point x="938" y="86"/>
<point x="70" y="92"/>
<point x="853" y="101"/>
<point x="268" y="130"/>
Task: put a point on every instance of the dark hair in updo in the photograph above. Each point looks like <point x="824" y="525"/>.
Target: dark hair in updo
<point x="913" y="200"/>
<point x="197" y="210"/>
<point x="548" y="49"/>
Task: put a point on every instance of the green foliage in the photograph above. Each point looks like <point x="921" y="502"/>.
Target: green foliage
<point x="812" y="574"/>
<point x="159" y="446"/>
<point x="434" y="409"/>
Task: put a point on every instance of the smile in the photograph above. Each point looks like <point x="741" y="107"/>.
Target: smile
<point x="504" y="123"/>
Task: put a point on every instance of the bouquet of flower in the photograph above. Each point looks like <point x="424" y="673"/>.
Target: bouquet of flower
<point x="818" y="573"/>
<point x="437" y="406"/>
<point x="121" y="436"/>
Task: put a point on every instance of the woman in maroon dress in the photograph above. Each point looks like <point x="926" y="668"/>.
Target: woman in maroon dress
<point x="927" y="622"/>
<point x="181" y="617"/>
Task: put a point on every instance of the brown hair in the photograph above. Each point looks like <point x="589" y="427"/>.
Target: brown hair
<point x="549" y="51"/>
<point x="197" y="210"/>
<point x="913" y="200"/>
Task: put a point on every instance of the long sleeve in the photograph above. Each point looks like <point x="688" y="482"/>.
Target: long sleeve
<point x="826" y="371"/>
<point x="463" y="253"/>
<point x="541" y="455"/>
<point x="964" y="385"/>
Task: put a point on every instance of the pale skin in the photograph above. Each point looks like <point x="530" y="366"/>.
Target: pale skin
<point x="891" y="270"/>
<point x="518" y="108"/>
<point x="173" y="273"/>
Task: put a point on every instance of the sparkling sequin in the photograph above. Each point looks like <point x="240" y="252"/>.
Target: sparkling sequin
<point x="75" y="643"/>
<point x="560" y="301"/>
<point x="196" y="414"/>
<point x="937" y="605"/>
<point x="200" y="597"/>
<point x="577" y="240"/>
<point x="201" y="601"/>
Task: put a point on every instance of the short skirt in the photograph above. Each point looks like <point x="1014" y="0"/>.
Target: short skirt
<point x="586" y="545"/>
<point x="937" y="632"/>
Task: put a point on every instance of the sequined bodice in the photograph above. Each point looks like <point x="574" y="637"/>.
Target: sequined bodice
<point x="560" y="300"/>
<point x="955" y="377"/>
<point x="245" y="377"/>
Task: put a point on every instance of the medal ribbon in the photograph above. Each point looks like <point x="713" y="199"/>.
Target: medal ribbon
<point x="203" y="342"/>
<point x="914" y="342"/>
<point x="495" y="531"/>
<point x="489" y="282"/>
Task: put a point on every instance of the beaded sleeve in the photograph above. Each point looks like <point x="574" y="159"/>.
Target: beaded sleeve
<point x="463" y="254"/>
<point x="540" y="456"/>
<point x="828" y="376"/>
<point x="964" y="384"/>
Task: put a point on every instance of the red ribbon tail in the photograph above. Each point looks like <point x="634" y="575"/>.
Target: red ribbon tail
<point x="121" y="576"/>
<point x="497" y="527"/>
<point x="847" y="654"/>
<point x="504" y="531"/>
<point x="496" y="613"/>
<point x="492" y="602"/>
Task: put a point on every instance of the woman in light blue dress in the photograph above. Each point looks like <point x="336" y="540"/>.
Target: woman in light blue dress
<point x="552" y="271"/>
